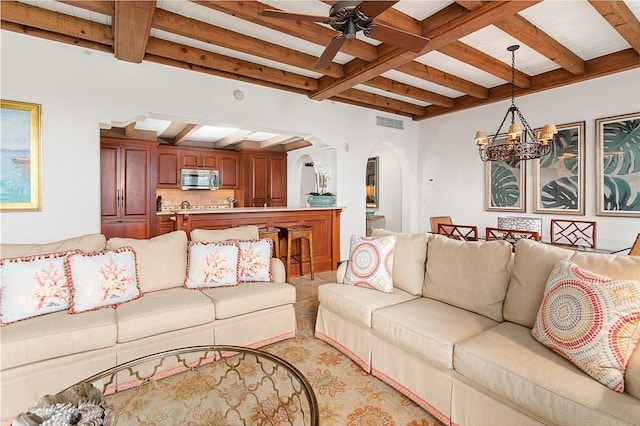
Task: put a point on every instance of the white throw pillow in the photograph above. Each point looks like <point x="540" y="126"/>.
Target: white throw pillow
<point x="212" y="265"/>
<point x="33" y="285"/>
<point x="590" y="319"/>
<point x="371" y="263"/>
<point x="255" y="260"/>
<point x="102" y="279"/>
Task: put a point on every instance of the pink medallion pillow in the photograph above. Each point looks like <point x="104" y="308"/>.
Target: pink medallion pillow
<point x="102" y="279"/>
<point x="212" y="265"/>
<point x="371" y="263"/>
<point x="592" y="320"/>
<point x="33" y="285"/>
<point x="255" y="260"/>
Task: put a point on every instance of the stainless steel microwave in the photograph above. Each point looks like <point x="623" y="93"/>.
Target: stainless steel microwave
<point x="199" y="179"/>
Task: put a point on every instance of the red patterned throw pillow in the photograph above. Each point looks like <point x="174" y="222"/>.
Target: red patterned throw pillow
<point x="592" y="320"/>
<point x="212" y="265"/>
<point x="102" y="279"/>
<point x="371" y="263"/>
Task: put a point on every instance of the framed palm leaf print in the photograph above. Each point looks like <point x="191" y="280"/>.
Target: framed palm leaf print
<point x="505" y="185"/>
<point x="618" y="166"/>
<point x="558" y="177"/>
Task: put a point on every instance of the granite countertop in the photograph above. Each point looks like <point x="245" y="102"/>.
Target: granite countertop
<point x="243" y="210"/>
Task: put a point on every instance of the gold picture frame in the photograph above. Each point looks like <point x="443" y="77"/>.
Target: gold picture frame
<point x="20" y="156"/>
<point x="505" y="184"/>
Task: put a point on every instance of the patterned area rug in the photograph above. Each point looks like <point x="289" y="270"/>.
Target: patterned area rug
<point x="346" y="394"/>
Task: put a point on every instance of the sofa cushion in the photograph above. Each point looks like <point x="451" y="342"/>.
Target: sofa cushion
<point x="33" y="285"/>
<point x="55" y="335"/>
<point x="162" y="260"/>
<point x="371" y="263"/>
<point x="163" y="311"/>
<point x="249" y="232"/>
<point x="255" y="260"/>
<point x="533" y="262"/>
<point x="250" y="297"/>
<point x="591" y="320"/>
<point x="468" y="274"/>
<point x="89" y="242"/>
<point x="507" y="360"/>
<point x="358" y="304"/>
<point x="428" y="329"/>
<point x="212" y="264"/>
<point x="409" y="258"/>
<point x="102" y="279"/>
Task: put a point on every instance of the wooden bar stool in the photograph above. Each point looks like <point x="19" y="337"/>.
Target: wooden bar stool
<point x="274" y="235"/>
<point x="298" y="232"/>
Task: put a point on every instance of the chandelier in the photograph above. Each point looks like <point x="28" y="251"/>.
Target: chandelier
<point x="519" y="143"/>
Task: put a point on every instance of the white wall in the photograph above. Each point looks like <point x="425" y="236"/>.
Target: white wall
<point x="389" y="188"/>
<point x="449" y="156"/>
<point x="79" y="92"/>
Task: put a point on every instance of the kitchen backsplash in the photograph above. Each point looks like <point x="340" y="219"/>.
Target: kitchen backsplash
<point x="173" y="197"/>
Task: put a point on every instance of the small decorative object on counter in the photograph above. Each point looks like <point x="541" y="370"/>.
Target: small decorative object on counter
<point x="81" y="405"/>
<point x="159" y="203"/>
<point x="320" y="198"/>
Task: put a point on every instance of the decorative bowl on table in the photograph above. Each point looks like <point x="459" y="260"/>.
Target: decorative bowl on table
<point x="321" y="200"/>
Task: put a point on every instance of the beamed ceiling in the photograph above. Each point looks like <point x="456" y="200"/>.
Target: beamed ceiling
<point x="465" y="63"/>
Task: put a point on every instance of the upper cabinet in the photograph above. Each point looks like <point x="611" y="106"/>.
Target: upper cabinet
<point x="168" y="167"/>
<point x="265" y="178"/>
<point x="229" y="170"/>
<point x="171" y="159"/>
<point x="193" y="159"/>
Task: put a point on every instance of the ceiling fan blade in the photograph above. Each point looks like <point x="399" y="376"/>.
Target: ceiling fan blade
<point x="330" y="52"/>
<point x="273" y="13"/>
<point x="375" y="8"/>
<point x="397" y="37"/>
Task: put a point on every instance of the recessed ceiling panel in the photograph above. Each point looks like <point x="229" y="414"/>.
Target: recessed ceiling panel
<point x="460" y="69"/>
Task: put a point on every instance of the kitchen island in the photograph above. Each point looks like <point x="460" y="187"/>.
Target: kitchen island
<point x="325" y="222"/>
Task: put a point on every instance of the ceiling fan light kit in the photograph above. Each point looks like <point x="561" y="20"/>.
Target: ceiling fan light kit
<point x="349" y="17"/>
<point x="519" y="143"/>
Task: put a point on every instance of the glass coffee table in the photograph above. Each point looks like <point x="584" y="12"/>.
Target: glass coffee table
<point x="206" y="385"/>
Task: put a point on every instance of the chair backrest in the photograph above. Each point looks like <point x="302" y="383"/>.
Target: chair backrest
<point x="459" y="232"/>
<point x="510" y="235"/>
<point x="635" y="248"/>
<point x="521" y="223"/>
<point x="436" y="220"/>
<point x="574" y="233"/>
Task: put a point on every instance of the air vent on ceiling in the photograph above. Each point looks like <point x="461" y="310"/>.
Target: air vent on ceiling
<point x="389" y="122"/>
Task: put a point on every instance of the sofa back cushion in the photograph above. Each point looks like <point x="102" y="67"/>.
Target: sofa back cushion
<point x="468" y="274"/>
<point x="89" y="242"/>
<point x="533" y="263"/>
<point x="249" y="232"/>
<point x="162" y="260"/>
<point x="409" y="258"/>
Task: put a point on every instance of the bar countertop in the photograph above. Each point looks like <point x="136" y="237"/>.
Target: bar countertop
<point x="244" y="210"/>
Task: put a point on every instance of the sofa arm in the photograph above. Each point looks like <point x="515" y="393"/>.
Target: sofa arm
<point x="342" y="270"/>
<point x="278" y="274"/>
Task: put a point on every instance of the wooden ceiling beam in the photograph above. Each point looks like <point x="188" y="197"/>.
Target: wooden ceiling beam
<point x="204" y="58"/>
<point x="131" y="26"/>
<point x="309" y="31"/>
<point x="62" y="38"/>
<point x="440" y="36"/>
<point x="234" y="137"/>
<point x="442" y="78"/>
<point x="518" y="27"/>
<point x="594" y="68"/>
<point x="407" y="90"/>
<point x="374" y="100"/>
<point x="32" y="16"/>
<point x="184" y="134"/>
<point x="622" y="19"/>
<point x="191" y="28"/>
<point x="484" y="62"/>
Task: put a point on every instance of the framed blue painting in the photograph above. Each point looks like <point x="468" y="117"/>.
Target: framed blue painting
<point x="20" y="156"/>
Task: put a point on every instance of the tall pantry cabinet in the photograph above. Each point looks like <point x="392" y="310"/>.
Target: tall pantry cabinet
<point x="126" y="198"/>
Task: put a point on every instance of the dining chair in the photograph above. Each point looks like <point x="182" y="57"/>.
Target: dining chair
<point x="573" y="233"/>
<point x="635" y="248"/>
<point x="436" y="220"/>
<point x="510" y="235"/>
<point x="459" y="232"/>
<point x="521" y="223"/>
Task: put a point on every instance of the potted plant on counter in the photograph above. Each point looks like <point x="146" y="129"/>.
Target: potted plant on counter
<point x="321" y="198"/>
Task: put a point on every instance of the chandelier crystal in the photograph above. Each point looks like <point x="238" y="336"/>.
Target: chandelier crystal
<point x="520" y="142"/>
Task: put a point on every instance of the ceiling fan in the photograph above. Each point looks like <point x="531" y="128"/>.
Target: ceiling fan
<point x="349" y="17"/>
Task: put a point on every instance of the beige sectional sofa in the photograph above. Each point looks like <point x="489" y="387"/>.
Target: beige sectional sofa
<point x="455" y="336"/>
<point x="46" y="354"/>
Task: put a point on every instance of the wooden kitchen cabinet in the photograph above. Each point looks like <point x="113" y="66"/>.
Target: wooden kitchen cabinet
<point x="265" y="178"/>
<point x="165" y="224"/>
<point x="126" y="199"/>
<point x="229" y="169"/>
<point x="194" y="159"/>
<point x="168" y="167"/>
